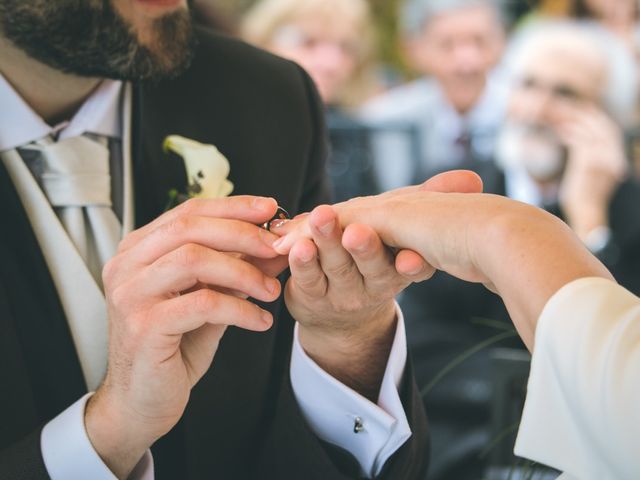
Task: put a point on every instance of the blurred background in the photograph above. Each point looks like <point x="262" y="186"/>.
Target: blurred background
<point x="540" y="98"/>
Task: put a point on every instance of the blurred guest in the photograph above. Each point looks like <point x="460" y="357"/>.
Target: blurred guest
<point x="561" y="148"/>
<point x="620" y="17"/>
<point x="562" y="145"/>
<point x="332" y="40"/>
<point x="457" y="104"/>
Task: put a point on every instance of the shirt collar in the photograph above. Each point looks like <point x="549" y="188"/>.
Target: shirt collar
<point x="20" y="125"/>
<point x="486" y="113"/>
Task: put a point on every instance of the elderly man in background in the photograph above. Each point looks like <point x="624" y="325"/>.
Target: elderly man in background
<point x="561" y="148"/>
<point x="457" y="104"/>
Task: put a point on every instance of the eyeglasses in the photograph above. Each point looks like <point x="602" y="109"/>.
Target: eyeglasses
<point x="559" y="90"/>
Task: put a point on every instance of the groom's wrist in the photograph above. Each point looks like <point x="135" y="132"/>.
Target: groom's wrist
<point x="119" y="440"/>
<point x="357" y="357"/>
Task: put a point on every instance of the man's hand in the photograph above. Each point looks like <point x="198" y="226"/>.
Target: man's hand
<point x="341" y="292"/>
<point x="596" y="166"/>
<point x="343" y="284"/>
<point x="171" y="291"/>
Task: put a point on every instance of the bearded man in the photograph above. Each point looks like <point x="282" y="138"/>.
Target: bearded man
<point x="89" y="89"/>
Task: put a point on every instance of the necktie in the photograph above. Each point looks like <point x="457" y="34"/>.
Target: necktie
<point x="463" y="143"/>
<point x="74" y="175"/>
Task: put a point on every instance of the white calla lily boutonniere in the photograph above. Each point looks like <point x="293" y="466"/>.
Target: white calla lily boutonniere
<point x="207" y="170"/>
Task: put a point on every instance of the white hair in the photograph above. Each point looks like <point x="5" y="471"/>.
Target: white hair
<point x="416" y="14"/>
<point x="620" y="94"/>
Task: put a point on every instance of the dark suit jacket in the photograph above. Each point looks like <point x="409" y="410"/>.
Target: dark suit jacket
<point x="242" y="420"/>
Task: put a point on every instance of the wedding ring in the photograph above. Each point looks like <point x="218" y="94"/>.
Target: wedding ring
<point x="281" y="214"/>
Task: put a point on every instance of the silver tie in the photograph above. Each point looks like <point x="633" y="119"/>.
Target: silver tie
<point x="75" y="178"/>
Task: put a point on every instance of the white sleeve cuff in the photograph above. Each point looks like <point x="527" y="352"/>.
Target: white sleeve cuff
<point x="331" y="408"/>
<point x="69" y="455"/>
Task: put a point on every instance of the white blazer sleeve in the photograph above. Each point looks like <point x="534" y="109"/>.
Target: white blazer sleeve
<point x="582" y="412"/>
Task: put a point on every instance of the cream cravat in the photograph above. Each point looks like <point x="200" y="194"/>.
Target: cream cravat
<point x="75" y="178"/>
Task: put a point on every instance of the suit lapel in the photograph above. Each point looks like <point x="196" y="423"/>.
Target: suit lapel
<point x="33" y="317"/>
<point x="154" y="172"/>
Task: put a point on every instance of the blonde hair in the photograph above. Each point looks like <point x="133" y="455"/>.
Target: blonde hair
<point x="263" y="21"/>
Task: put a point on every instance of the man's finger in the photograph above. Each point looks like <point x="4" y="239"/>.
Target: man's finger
<point x="191" y="311"/>
<point x="412" y="266"/>
<point x="306" y="271"/>
<point x="271" y="267"/>
<point x="193" y="264"/>
<point x="337" y="264"/>
<point x="256" y="210"/>
<point x="219" y="234"/>
<point x="373" y="259"/>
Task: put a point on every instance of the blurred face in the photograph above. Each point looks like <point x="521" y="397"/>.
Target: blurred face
<point x="556" y="80"/>
<point x="620" y="11"/>
<point x="327" y="50"/>
<point x="459" y="48"/>
<point x="121" y="39"/>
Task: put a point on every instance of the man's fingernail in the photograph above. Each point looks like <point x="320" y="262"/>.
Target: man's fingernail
<point x="266" y="317"/>
<point x="279" y="242"/>
<point x="415" y="271"/>
<point x="327" y="228"/>
<point x="262" y="203"/>
<point x="272" y="285"/>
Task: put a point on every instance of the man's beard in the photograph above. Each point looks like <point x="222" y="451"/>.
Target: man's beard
<point x="89" y="38"/>
<point x="536" y="148"/>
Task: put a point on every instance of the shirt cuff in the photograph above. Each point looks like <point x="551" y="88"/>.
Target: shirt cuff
<point x="69" y="455"/>
<point x="333" y="410"/>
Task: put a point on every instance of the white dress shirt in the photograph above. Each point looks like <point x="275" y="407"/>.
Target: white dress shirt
<point x="67" y="451"/>
<point x="423" y="104"/>
<point x="582" y="411"/>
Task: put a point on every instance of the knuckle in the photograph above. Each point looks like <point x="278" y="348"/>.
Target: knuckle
<point x="342" y="271"/>
<point x="308" y="278"/>
<point x="124" y="243"/>
<point x="109" y="272"/>
<point x="205" y="300"/>
<point x="190" y="206"/>
<point x="386" y="276"/>
<point x="242" y="310"/>
<point x="309" y="283"/>
<point x="119" y="297"/>
<point x="136" y="329"/>
<point x="188" y="255"/>
<point x="177" y="227"/>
